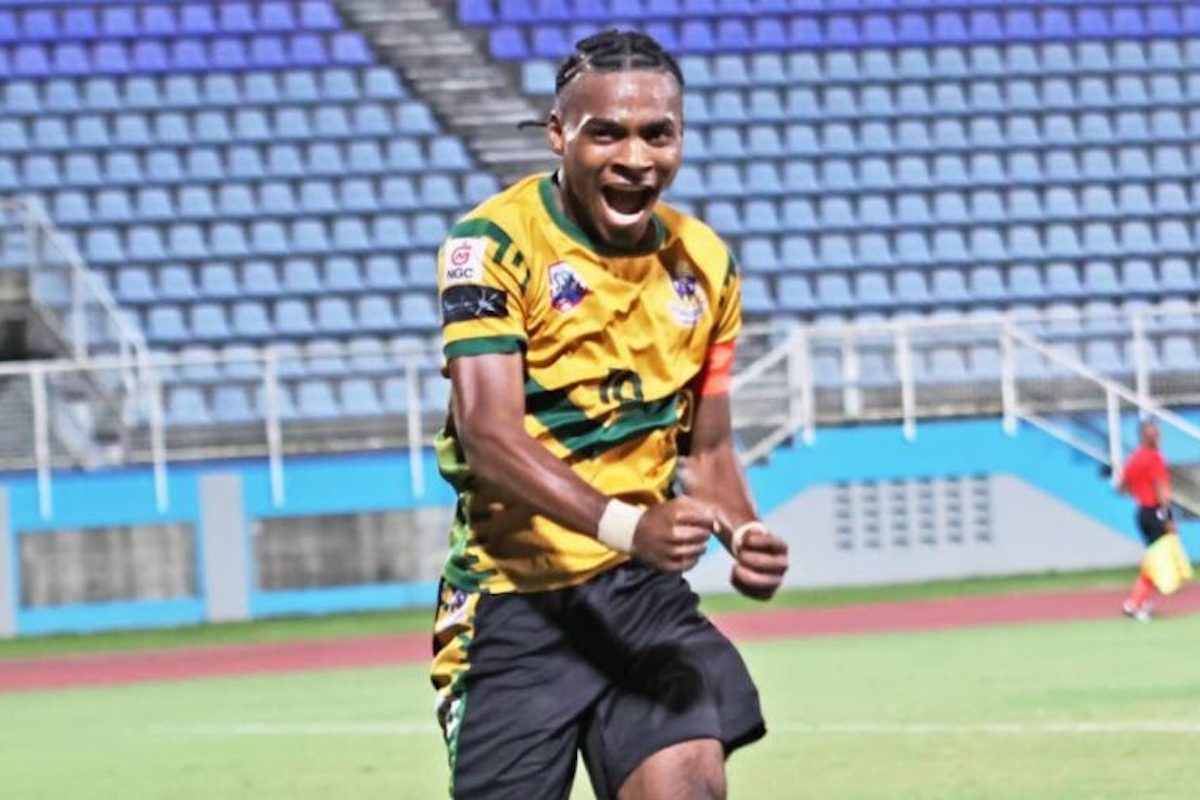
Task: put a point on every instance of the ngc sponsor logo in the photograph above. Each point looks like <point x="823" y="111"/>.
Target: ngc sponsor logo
<point x="463" y="260"/>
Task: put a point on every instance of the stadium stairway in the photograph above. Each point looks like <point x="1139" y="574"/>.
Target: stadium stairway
<point x="450" y="69"/>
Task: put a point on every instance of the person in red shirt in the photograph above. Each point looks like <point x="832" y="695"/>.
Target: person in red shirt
<point x="1146" y="478"/>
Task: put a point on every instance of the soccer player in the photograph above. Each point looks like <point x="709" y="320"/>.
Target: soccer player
<point x="589" y="335"/>
<point x="1146" y="478"/>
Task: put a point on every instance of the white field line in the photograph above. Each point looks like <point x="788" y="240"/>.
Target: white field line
<point x="427" y="727"/>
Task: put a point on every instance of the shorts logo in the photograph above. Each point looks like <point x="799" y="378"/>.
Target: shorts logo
<point x="463" y="260"/>
<point x="688" y="305"/>
<point x="454" y="611"/>
<point x="567" y="289"/>
<point x="464" y="303"/>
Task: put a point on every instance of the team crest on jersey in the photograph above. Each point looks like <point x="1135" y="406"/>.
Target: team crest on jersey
<point x="567" y="289"/>
<point x="688" y="304"/>
<point x="463" y="260"/>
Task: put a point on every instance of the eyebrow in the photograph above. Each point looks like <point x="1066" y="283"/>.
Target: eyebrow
<point x="663" y="124"/>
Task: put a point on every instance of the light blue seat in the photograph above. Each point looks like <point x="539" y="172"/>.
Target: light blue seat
<point x="761" y="217"/>
<point x="439" y="192"/>
<point x="871" y="289"/>
<point x="334" y="315"/>
<point x="950" y="287"/>
<point x="70" y="207"/>
<point x="1138" y="278"/>
<point x="1025" y="282"/>
<point x="367" y="158"/>
<point x="1062" y="280"/>
<point x="367" y="355"/>
<point x="325" y="158"/>
<point x="1177" y="276"/>
<point x="315" y="400"/>
<point x="429" y="230"/>
<point x="210" y="321"/>
<point x="375" y="313"/>
<point x="317" y="198"/>
<point x="250" y="320"/>
<point x="309" y="236"/>
<point x="342" y="275"/>
<point x="911" y="288"/>
<point x="165" y="324"/>
<point x="1179" y="354"/>
<point x="175" y="283"/>
<point x="292" y="318"/>
<point x="300" y="277"/>
<point x="383" y="272"/>
<point x="987" y="284"/>
<point x="186" y="407"/>
<point x="219" y="281"/>
<point x="231" y="405"/>
<point x="103" y="246"/>
<point x="417" y="311"/>
<point x="422" y="270"/>
<point x="395" y="395"/>
<point x="134" y="286"/>
<point x="723" y="216"/>
<point x="759" y="254"/>
<point x="359" y="398"/>
<point x="154" y="204"/>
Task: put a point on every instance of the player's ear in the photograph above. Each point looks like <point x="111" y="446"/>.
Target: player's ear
<point x="554" y="133"/>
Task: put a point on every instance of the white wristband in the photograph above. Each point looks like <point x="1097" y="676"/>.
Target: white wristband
<point x="617" y="524"/>
<point x="735" y="541"/>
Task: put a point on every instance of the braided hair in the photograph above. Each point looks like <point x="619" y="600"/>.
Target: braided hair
<point x="615" y="51"/>
<point x="612" y="51"/>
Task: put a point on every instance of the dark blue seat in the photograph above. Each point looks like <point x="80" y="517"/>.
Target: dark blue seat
<point x="228" y="53"/>
<point x="159" y="20"/>
<point x="276" y="17"/>
<point x="38" y="25"/>
<point x="267" y="52"/>
<point x="319" y="15"/>
<point x="195" y="18"/>
<point x="508" y="44"/>
<point x="119" y="22"/>
<point x="308" y="50"/>
<point x="350" y="50"/>
<point x="236" y="17"/>
<point x="477" y="12"/>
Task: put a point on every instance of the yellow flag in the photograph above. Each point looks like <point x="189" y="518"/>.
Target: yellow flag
<point x="1167" y="564"/>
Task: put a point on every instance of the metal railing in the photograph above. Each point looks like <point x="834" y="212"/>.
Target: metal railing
<point x="906" y="370"/>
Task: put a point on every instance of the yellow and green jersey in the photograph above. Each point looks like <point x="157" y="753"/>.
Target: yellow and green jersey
<point x="611" y="341"/>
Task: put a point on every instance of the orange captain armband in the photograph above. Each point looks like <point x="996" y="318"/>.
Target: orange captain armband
<point x="718" y="368"/>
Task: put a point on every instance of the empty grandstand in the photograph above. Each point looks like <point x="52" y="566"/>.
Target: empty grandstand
<point x="220" y="220"/>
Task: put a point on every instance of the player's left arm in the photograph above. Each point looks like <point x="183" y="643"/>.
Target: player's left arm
<point x="712" y="472"/>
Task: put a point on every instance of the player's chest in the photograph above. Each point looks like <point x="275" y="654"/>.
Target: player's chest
<point x="648" y="308"/>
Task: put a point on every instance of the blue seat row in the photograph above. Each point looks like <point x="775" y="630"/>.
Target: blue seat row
<point x="220" y="280"/>
<point x="133" y="129"/>
<point x="956" y="63"/>
<point x="946" y="210"/>
<point x="944" y="288"/>
<point x="242" y="363"/>
<point x="983" y="244"/>
<point x="149" y="57"/>
<point x="198" y="165"/>
<point x="950" y="171"/>
<point x="298" y="276"/>
<point x="164" y="20"/>
<point x="103" y="246"/>
<point x="489" y="12"/>
<point x="857" y="30"/>
<point x="328" y="87"/>
<point x="946" y="99"/>
<point x="746" y="140"/>
<point x="314" y="196"/>
<point x="256" y="320"/>
<point x="311" y="399"/>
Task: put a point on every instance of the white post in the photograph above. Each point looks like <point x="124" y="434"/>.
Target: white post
<point x="851" y="377"/>
<point x="1008" y="379"/>
<point x="415" y="463"/>
<point x="158" y="445"/>
<point x="1141" y="355"/>
<point x="78" y="323"/>
<point x="908" y="396"/>
<point x="41" y="441"/>
<point x="1114" y="434"/>
<point x="274" y="429"/>
<point x="799" y="385"/>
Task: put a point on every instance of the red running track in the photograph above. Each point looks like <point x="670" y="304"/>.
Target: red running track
<point x="109" y="669"/>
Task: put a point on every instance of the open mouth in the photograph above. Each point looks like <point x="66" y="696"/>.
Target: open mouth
<point x="628" y="202"/>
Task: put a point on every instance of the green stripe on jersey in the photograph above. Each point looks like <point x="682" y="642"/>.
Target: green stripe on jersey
<point x="484" y="345"/>
<point x="587" y="438"/>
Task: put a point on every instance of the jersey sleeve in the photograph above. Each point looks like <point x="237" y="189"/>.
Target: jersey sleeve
<point x="729" y="306"/>
<point x="481" y="286"/>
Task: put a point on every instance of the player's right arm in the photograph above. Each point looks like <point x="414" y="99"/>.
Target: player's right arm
<point x="488" y="403"/>
<point x="483" y="281"/>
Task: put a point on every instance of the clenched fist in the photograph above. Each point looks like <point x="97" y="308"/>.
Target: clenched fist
<point x="673" y="535"/>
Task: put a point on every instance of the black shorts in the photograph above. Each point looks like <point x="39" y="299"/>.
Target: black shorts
<point x="1152" y="527"/>
<point x="618" y="668"/>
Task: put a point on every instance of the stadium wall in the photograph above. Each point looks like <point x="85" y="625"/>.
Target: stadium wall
<point x="860" y="505"/>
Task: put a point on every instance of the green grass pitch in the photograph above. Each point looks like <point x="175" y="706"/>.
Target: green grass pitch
<point x="1084" y="710"/>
